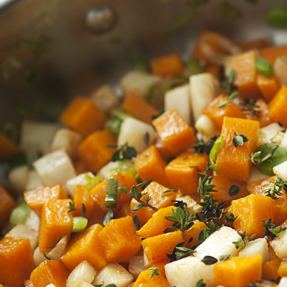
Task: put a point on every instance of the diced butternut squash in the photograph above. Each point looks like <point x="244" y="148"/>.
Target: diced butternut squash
<point x="119" y="239"/>
<point x="165" y="153"/>
<point x="282" y="270"/>
<point x="190" y="236"/>
<point x="99" y="192"/>
<point x="145" y="280"/>
<point x="56" y="222"/>
<point x="214" y="70"/>
<point x="268" y="86"/>
<point x="157" y="200"/>
<point x="252" y="44"/>
<point x="93" y="151"/>
<point x="150" y="165"/>
<point x="7" y="147"/>
<point x="83" y="116"/>
<point x="223" y="185"/>
<point x="270" y="269"/>
<point x="278" y="107"/>
<point x="37" y="197"/>
<point x="246" y="74"/>
<point x="85" y="246"/>
<point x="250" y="213"/>
<point x="156" y="247"/>
<point x="182" y="172"/>
<point x="238" y="271"/>
<point x="279" y="204"/>
<point x="167" y="66"/>
<point x="16" y="260"/>
<point x="83" y="196"/>
<point x="125" y="210"/>
<point x="230" y="159"/>
<point x="158" y="223"/>
<point x="176" y="134"/>
<point x="271" y="53"/>
<point x="50" y="272"/>
<point x="7" y="203"/>
<point x="217" y="114"/>
<point x="139" y="108"/>
<point x="160" y="266"/>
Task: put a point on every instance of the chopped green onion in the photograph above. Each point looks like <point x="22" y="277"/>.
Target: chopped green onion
<point x="217" y="146"/>
<point x="92" y="181"/>
<point x="19" y="214"/>
<point x="117" y="113"/>
<point x="127" y="166"/>
<point x="279" y="156"/>
<point x="193" y="67"/>
<point x="114" y="126"/>
<point x="263" y="67"/>
<point x="277" y="18"/>
<point x="79" y="223"/>
<point x="111" y="199"/>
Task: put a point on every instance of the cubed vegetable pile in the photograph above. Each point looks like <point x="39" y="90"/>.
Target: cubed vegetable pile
<point x="179" y="181"/>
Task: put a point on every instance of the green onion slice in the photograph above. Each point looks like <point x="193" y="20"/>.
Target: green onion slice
<point x="263" y="67"/>
<point x="19" y="214"/>
<point x="111" y="200"/>
<point x="218" y="145"/>
<point x="79" y="223"/>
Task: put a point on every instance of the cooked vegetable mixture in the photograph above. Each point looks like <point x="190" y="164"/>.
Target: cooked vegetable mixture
<point x="180" y="181"/>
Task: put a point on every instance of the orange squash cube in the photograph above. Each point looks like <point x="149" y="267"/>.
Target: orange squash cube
<point x="230" y="159"/>
<point x="37" y="197"/>
<point x="83" y="196"/>
<point x="50" y="271"/>
<point x="182" y="172"/>
<point x="271" y="53"/>
<point x="85" y="246"/>
<point x="16" y="260"/>
<point x="268" y="86"/>
<point x="83" y="116"/>
<point x="150" y="165"/>
<point x="119" y="239"/>
<point x="270" y="269"/>
<point x="167" y="66"/>
<point x="278" y="107"/>
<point x="250" y="213"/>
<point x="176" y="134"/>
<point x="145" y="280"/>
<point x="93" y="151"/>
<point x="56" y="222"/>
<point x="282" y="270"/>
<point x="193" y="232"/>
<point x="7" y="204"/>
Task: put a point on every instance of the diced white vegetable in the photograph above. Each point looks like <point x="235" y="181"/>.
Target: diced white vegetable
<point x="188" y="271"/>
<point x="283" y="143"/>
<point x="33" y="221"/>
<point x="36" y="135"/>
<point x="84" y="272"/>
<point x="133" y="131"/>
<point x="268" y="133"/>
<point x="203" y="89"/>
<point x="38" y="256"/>
<point x="59" y="249"/>
<point x="33" y="180"/>
<point x="105" y="98"/>
<point x="113" y="273"/>
<point x="21" y="230"/>
<point x="178" y="99"/>
<point x="67" y="140"/>
<point x="257" y="246"/>
<point x="147" y="264"/>
<point x="138" y="82"/>
<point x="280" y="70"/>
<point x="227" y="65"/>
<point x="206" y="126"/>
<point x="105" y="170"/>
<point x="55" y="168"/>
<point x="18" y="177"/>
<point x="85" y="284"/>
<point x="281" y="170"/>
<point x="219" y="243"/>
<point x="80" y="179"/>
<point x="136" y="265"/>
<point x="279" y="245"/>
<point x="50" y="285"/>
<point x="283" y="282"/>
<point x="256" y="175"/>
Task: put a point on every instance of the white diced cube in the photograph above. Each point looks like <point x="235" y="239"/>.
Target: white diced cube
<point x="283" y="282"/>
<point x="206" y="126"/>
<point x="67" y="140"/>
<point x="219" y="243"/>
<point x="136" y="266"/>
<point x="268" y="133"/>
<point x="256" y="175"/>
<point x="55" y="168"/>
<point x="57" y="252"/>
<point x="113" y="273"/>
<point x="33" y="180"/>
<point x="105" y="170"/>
<point x="283" y="143"/>
<point x="133" y="132"/>
<point x="138" y="82"/>
<point x="105" y="98"/>
<point x="279" y="245"/>
<point x="188" y="271"/>
<point x="80" y="179"/>
<point x="18" y="177"/>
<point x="281" y="170"/>
<point x="33" y="221"/>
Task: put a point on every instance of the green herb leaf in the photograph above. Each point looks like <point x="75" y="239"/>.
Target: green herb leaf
<point x="108" y="217"/>
<point x="233" y="96"/>
<point x="276" y="189"/>
<point x="71" y="207"/>
<point x="209" y="260"/>
<point x="46" y="256"/>
<point x="264" y="67"/>
<point x="154" y="271"/>
<point x="224" y="257"/>
<point x="54" y="245"/>
<point x="136" y="222"/>
<point x="218" y="145"/>
<point x="239" y="140"/>
<point x="168" y="190"/>
<point x="228" y="84"/>
<point x="271" y="229"/>
<point x="204" y="147"/>
<point x="230" y="219"/>
<point x="200" y="283"/>
<point x="123" y="152"/>
<point x="233" y="190"/>
<point x="250" y="107"/>
<point x="83" y="210"/>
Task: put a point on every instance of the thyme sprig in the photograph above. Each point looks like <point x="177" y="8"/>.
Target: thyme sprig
<point x="205" y="186"/>
<point x="71" y="207"/>
<point x="180" y="252"/>
<point x="242" y="242"/>
<point x="230" y="218"/>
<point x="137" y="195"/>
<point x="204" y="147"/>
<point x="256" y="157"/>
<point x="124" y="152"/>
<point x="181" y="219"/>
<point x="231" y="97"/>
<point x="250" y="108"/>
<point x="239" y="140"/>
<point x="154" y="271"/>
<point x="276" y="189"/>
<point x="228" y="84"/>
<point x="271" y="230"/>
<point x="200" y="283"/>
<point x="205" y="233"/>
